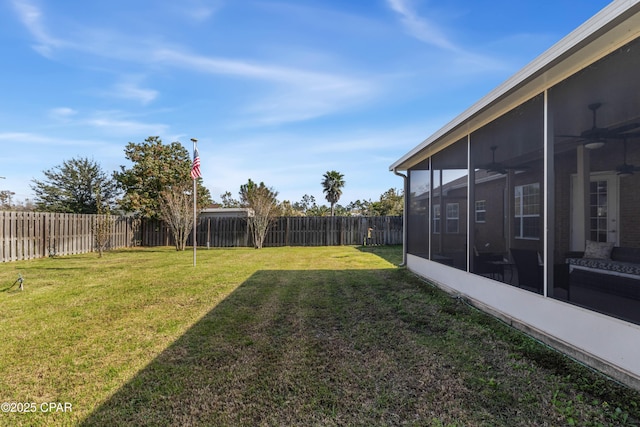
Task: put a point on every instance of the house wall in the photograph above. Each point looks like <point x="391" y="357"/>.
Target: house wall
<point x="448" y="242"/>
<point x="567" y="163"/>
<point x="488" y="237"/>
<point x="609" y="344"/>
<point x="630" y="202"/>
<point x="535" y="130"/>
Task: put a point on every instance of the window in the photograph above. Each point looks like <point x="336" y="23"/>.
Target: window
<point x="598" y="211"/>
<point x="481" y="210"/>
<point x="527" y="211"/>
<point x="453" y="217"/>
<point x="436" y="218"/>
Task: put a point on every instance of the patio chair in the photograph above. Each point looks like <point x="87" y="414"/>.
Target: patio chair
<point x="528" y="268"/>
<point x="484" y="264"/>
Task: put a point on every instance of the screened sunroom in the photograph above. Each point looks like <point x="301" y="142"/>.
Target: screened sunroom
<point x="528" y="203"/>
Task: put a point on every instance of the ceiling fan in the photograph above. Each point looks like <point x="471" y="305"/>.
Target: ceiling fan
<point x="595" y="137"/>
<point x="495" y="167"/>
<point x="626" y="169"/>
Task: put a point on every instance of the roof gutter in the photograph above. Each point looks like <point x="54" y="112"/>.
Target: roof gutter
<point x="404" y="216"/>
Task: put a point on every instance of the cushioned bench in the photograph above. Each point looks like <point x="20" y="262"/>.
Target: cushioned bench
<point x="615" y="270"/>
<point x="624" y="269"/>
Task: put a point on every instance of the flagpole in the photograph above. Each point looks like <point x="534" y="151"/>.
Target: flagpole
<point x="195" y="197"/>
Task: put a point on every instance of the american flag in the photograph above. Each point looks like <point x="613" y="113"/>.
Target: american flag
<point x="195" y="167"/>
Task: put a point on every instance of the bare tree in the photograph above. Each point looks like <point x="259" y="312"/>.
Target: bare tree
<point x="262" y="201"/>
<point x="102" y="224"/>
<point x="6" y="199"/>
<point x="176" y="209"/>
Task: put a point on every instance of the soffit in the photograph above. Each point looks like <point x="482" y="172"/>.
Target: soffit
<point x="613" y="27"/>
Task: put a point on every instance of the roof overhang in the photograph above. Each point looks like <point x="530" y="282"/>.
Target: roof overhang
<point x="611" y="28"/>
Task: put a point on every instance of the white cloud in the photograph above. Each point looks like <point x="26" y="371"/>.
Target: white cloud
<point x="245" y="69"/>
<point x="298" y="95"/>
<point x="420" y="27"/>
<point x="17" y="139"/>
<point x="378" y="142"/>
<point x="429" y="32"/>
<point x="110" y="122"/>
<point x="306" y="102"/>
<point x="287" y="94"/>
<point x="31" y="17"/>
<point x="195" y="10"/>
<point x="62" y="113"/>
<point x="131" y="90"/>
<point x="199" y="13"/>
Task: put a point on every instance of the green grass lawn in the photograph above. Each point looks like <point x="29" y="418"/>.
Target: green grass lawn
<point x="278" y="336"/>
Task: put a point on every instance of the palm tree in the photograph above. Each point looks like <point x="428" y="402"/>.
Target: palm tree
<point x="332" y="187"/>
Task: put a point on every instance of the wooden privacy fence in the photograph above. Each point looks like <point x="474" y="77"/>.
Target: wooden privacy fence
<point x="212" y="232"/>
<point x="27" y="235"/>
<point x="285" y="231"/>
<point x="332" y="231"/>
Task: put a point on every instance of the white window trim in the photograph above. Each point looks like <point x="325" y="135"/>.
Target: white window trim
<point x="520" y="218"/>
<point x="483" y="210"/>
<point x="456" y="218"/>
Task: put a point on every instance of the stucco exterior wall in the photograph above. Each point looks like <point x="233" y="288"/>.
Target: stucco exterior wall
<point x="608" y="344"/>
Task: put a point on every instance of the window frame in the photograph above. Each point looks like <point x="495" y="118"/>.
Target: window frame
<point x="520" y="206"/>
<point x="481" y="208"/>
<point x="452" y="219"/>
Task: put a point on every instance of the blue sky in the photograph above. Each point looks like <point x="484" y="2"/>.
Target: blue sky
<point x="277" y="91"/>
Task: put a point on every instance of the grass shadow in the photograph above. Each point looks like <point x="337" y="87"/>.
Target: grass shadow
<point x="390" y="253"/>
<point x="286" y="347"/>
<point x="342" y="347"/>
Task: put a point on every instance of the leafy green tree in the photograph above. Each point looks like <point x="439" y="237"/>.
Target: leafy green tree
<point x="316" y="210"/>
<point x="340" y="210"/>
<point x="332" y="187"/>
<point x="305" y="204"/>
<point x="262" y="200"/>
<point x="286" y="208"/>
<point x="359" y="207"/>
<point x="228" y="201"/>
<point x="156" y="168"/>
<point x="391" y="203"/>
<point x="72" y="187"/>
